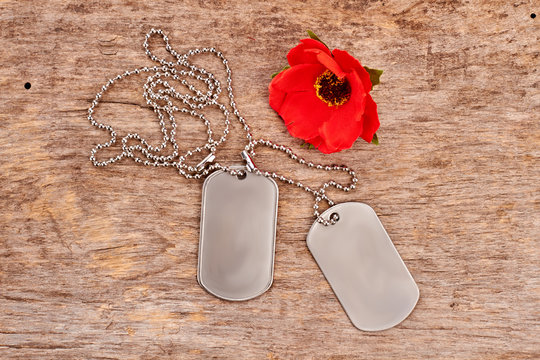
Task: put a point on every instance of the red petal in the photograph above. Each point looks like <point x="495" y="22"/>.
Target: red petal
<point x="304" y="113"/>
<point x="328" y="63"/>
<point x="349" y="63"/>
<point x="341" y="131"/>
<point x="326" y="149"/>
<point x="297" y="54"/>
<point x="297" y="78"/>
<point x="316" y="141"/>
<point x="319" y="143"/>
<point x="345" y="123"/>
<point x="276" y="96"/>
<point x="358" y="92"/>
<point x="371" y="120"/>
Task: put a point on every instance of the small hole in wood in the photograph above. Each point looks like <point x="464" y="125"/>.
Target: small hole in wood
<point x="27" y="86"/>
<point x="533" y="15"/>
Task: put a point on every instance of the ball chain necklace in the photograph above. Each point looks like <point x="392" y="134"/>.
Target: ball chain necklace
<point x="239" y="202"/>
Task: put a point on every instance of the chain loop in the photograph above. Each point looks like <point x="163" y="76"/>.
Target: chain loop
<point x="159" y="95"/>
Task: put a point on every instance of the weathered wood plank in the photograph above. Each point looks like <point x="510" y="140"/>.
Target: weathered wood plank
<point x="101" y="263"/>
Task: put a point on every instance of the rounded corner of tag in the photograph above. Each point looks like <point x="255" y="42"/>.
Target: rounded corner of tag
<point x="276" y="187"/>
<point x="199" y="280"/>
<point x="396" y="321"/>
<point x="359" y="205"/>
<point x="270" y="283"/>
<point x="417" y="294"/>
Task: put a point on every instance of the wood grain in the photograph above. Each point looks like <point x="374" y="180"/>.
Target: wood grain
<point x="100" y="263"/>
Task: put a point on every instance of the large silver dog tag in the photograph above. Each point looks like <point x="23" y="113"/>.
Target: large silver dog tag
<point x="363" y="267"/>
<point x="238" y="232"/>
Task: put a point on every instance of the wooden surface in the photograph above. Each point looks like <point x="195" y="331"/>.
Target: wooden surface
<point x="101" y="262"/>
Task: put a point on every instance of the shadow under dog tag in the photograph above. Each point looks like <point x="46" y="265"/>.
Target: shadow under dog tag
<point x="363" y="267"/>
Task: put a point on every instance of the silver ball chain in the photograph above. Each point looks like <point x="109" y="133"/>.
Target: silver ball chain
<point x="158" y="88"/>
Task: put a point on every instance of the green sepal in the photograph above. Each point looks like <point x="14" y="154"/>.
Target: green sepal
<point x="315" y="37"/>
<point x="308" y="145"/>
<point x="374" y="76"/>
<point x="284" y="68"/>
<point x="375" y="139"/>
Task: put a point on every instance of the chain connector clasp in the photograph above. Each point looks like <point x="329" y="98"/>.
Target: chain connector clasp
<point x="249" y="163"/>
<point x="208" y="159"/>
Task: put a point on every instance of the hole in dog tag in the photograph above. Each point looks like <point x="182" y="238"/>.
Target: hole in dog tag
<point x="363" y="267"/>
<point x="238" y="232"/>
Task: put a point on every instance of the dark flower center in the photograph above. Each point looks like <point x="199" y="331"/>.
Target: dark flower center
<point x="331" y="89"/>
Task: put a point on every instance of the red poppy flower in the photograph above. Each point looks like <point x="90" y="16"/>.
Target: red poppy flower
<point x="323" y="97"/>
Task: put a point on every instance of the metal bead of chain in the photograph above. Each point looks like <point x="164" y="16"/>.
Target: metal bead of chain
<point x="159" y="94"/>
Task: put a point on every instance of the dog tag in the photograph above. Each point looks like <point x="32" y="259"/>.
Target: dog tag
<point x="363" y="267"/>
<point x="238" y="232"/>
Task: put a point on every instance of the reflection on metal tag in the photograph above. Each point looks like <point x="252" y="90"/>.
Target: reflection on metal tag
<point x="238" y="233"/>
<point x="363" y="267"/>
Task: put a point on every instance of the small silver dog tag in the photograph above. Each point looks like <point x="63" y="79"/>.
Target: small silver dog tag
<point x="238" y="232"/>
<point x="363" y="267"/>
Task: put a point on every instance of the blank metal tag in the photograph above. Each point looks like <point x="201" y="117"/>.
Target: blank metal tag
<point x="363" y="267"/>
<point x="238" y="233"/>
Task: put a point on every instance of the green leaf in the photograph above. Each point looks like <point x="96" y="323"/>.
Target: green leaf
<point x="307" y="145"/>
<point x="315" y="37"/>
<point x="284" y="68"/>
<point x="375" y="139"/>
<point x="374" y="76"/>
